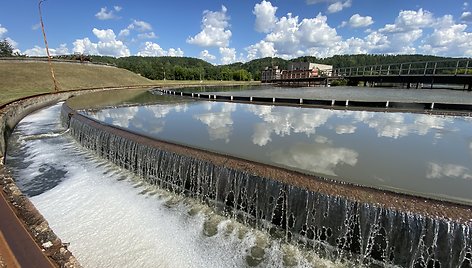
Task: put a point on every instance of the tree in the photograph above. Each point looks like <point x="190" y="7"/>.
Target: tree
<point x="6" y="49"/>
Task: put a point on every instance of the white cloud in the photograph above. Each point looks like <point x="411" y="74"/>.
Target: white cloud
<point x="150" y="49"/>
<point x="445" y="171"/>
<point x="228" y="55"/>
<point x="107" y="45"/>
<point x="260" y="50"/>
<point x="408" y="20"/>
<point x="105" y="14"/>
<point x="205" y="55"/>
<point x="284" y="36"/>
<point x="291" y="38"/>
<point x="357" y="21"/>
<point x="144" y="28"/>
<point x="149" y="35"/>
<point x="214" y="30"/>
<point x="219" y="123"/>
<point x="265" y="16"/>
<point x="448" y="38"/>
<point x="41" y="51"/>
<point x="3" y="31"/>
<point x="172" y="52"/>
<point x="345" y="129"/>
<point x="466" y="16"/>
<point x="284" y="122"/>
<point x="140" y="26"/>
<point x="317" y="158"/>
<point x="338" y="6"/>
<point x="36" y="26"/>
<point x="124" y="33"/>
<point x="316" y="32"/>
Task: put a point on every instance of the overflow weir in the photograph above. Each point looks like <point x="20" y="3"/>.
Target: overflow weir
<point x="337" y="220"/>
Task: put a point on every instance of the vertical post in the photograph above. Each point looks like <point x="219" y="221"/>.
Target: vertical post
<point x="466" y="67"/>
<point x="435" y="66"/>
<point x="56" y="88"/>
<point x="425" y="67"/>
<point x="457" y="67"/>
<point x="388" y="70"/>
<point x="409" y="69"/>
<point x="400" y="71"/>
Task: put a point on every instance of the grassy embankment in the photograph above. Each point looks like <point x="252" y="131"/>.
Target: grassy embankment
<point x="20" y="79"/>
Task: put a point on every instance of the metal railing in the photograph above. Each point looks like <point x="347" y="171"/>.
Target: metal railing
<point x="429" y="68"/>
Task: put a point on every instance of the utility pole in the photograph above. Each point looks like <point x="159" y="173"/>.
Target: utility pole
<point x="56" y="88"/>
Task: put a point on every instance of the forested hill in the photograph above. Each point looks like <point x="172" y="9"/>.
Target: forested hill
<point x="185" y="68"/>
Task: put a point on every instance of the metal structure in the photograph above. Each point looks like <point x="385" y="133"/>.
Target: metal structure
<point x="457" y="71"/>
<point x="56" y="87"/>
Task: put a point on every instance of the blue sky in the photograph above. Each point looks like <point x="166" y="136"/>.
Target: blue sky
<point x="228" y="31"/>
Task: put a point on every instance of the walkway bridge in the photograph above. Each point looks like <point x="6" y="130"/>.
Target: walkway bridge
<point x="425" y="73"/>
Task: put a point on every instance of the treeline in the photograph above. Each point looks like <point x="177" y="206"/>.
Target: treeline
<point x="186" y="68"/>
<point x="174" y="68"/>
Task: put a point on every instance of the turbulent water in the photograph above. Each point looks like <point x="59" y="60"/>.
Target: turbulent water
<point x="112" y="219"/>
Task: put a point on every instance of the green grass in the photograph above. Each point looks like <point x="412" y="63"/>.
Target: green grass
<point x="21" y="79"/>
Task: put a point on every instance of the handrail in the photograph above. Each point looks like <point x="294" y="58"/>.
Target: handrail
<point x="430" y="68"/>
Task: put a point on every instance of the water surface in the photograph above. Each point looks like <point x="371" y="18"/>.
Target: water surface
<point x="427" y="155"/>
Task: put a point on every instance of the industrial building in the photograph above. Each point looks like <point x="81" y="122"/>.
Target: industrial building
<point x="296" y="70"/>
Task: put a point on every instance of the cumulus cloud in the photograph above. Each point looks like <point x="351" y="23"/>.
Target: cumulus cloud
<point x="105" y="14"/>
<point x="150" y="49"/>
<point x="466" y="16"/>
<point x="228" y="55"/>
<point x="260" y="50"/>
<point x="144" y="29"/>
<point x="445" y="171"/>
<point x="38" y="51"/>
<point x="345" y="129"/>
<point x="265" y="16"/>
<point x="149" y="35"/>
<point x="219" y="123"/>
<point x="316" y="32"/>
<point x="338" y="6"/>
<point x="285" y="121"/>
<point x="205" y="55"/>
<point x="214" y="30"/>
<point x="107" y="44"/>
<point x="3" y="31"/>
<point x="140" y="26"/>
<point x="412" y="31"/>
<point x="357" y="21"/>
<point x="291" y="37"/>
<point x="317" y="158"/>
<point x="448" y="38"/>
<point x="408" y="20"/>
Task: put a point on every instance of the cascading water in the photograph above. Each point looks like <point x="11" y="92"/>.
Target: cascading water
<point x="111" y="218"/>
<point x="333" y="226"/>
